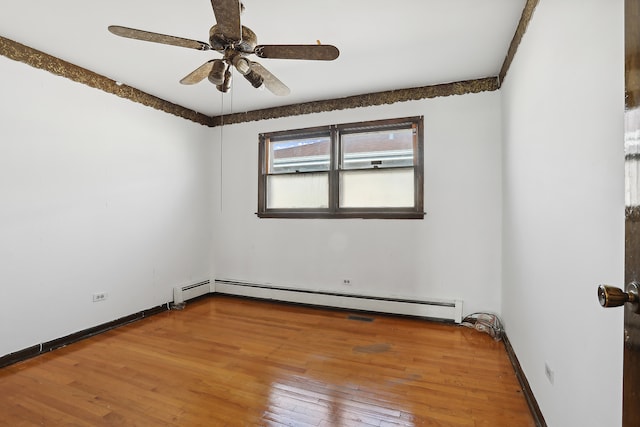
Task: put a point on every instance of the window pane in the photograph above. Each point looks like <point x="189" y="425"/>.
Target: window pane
<point x="299" y="155"/>
<point x="375" y="188"/>
<point x="379" y="149"/>
<point x="371" y="169"/>
<point x="293" y="191"/>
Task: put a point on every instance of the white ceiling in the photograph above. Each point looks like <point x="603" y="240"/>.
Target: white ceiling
<point x="384" y="45"/>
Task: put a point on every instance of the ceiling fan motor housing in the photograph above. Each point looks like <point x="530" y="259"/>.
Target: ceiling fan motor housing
<point x="219" y="42"/>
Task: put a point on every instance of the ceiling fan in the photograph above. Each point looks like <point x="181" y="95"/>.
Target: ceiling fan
<point x="235" y="42"/>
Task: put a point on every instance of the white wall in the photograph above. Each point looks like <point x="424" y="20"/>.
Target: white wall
<point x="97" y="193"/>
<point x="564" y="208"/>
<point x="453" y="253"/>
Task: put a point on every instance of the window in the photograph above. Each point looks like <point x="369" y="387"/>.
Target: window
<point x="358" y="170"/>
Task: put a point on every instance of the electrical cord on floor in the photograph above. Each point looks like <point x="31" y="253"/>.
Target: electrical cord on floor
<point x="485" y="322"/>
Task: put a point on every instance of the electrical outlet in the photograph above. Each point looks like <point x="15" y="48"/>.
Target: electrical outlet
<point x="549" y="372"/>
<point x="346" y="282"/>
<point x="100" y="296"/>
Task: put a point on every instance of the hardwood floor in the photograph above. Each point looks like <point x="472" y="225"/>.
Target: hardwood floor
<point x="227" y="361"/>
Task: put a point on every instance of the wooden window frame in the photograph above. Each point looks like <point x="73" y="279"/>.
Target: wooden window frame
<point x="333" y="210"/>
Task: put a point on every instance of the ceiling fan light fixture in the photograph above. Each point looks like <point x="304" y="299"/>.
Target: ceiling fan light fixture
<point x="242" y="65"/>
<point x="254" y="78"/>
<point x="226" y="84"/>
<point x="217" y="73"/>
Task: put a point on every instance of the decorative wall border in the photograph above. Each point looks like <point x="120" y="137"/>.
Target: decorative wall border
<point x="357" y="101"/>
<point x="35" y="58"/>
<point x="527" y="14"/>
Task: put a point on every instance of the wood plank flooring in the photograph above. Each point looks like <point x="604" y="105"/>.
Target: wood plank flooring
<point x="225" y="361"/>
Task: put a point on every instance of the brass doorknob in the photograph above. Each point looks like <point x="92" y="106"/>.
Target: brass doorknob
<point x="610" y="296"/>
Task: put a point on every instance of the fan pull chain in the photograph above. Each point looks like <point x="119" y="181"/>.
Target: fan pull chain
<point x="221" y="150"/>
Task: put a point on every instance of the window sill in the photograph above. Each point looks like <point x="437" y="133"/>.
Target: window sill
<point x="343" y="215"/>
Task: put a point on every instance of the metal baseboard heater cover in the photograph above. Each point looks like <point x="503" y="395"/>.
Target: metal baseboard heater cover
<point x="442" y="310"/>
<point x="184" y="293"/>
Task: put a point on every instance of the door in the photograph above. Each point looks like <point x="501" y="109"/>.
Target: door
<point x="629" y="298"/>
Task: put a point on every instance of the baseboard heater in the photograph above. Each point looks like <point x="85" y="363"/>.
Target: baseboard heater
<point x="448" y="311"/>
<point x="184" y="293"/>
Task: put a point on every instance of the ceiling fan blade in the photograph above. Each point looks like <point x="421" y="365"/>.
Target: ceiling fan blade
<point x="270" y="81"/>
<point x="199" y="74"/>
<point x="227" y="14"/>
<point x="323" y="52"/>
<point x="132" y="33"/>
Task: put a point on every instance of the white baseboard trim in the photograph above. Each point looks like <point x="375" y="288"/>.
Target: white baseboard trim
<point x="443" y="310"/>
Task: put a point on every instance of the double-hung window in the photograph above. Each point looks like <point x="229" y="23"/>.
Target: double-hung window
<point x="357" y="170"/>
